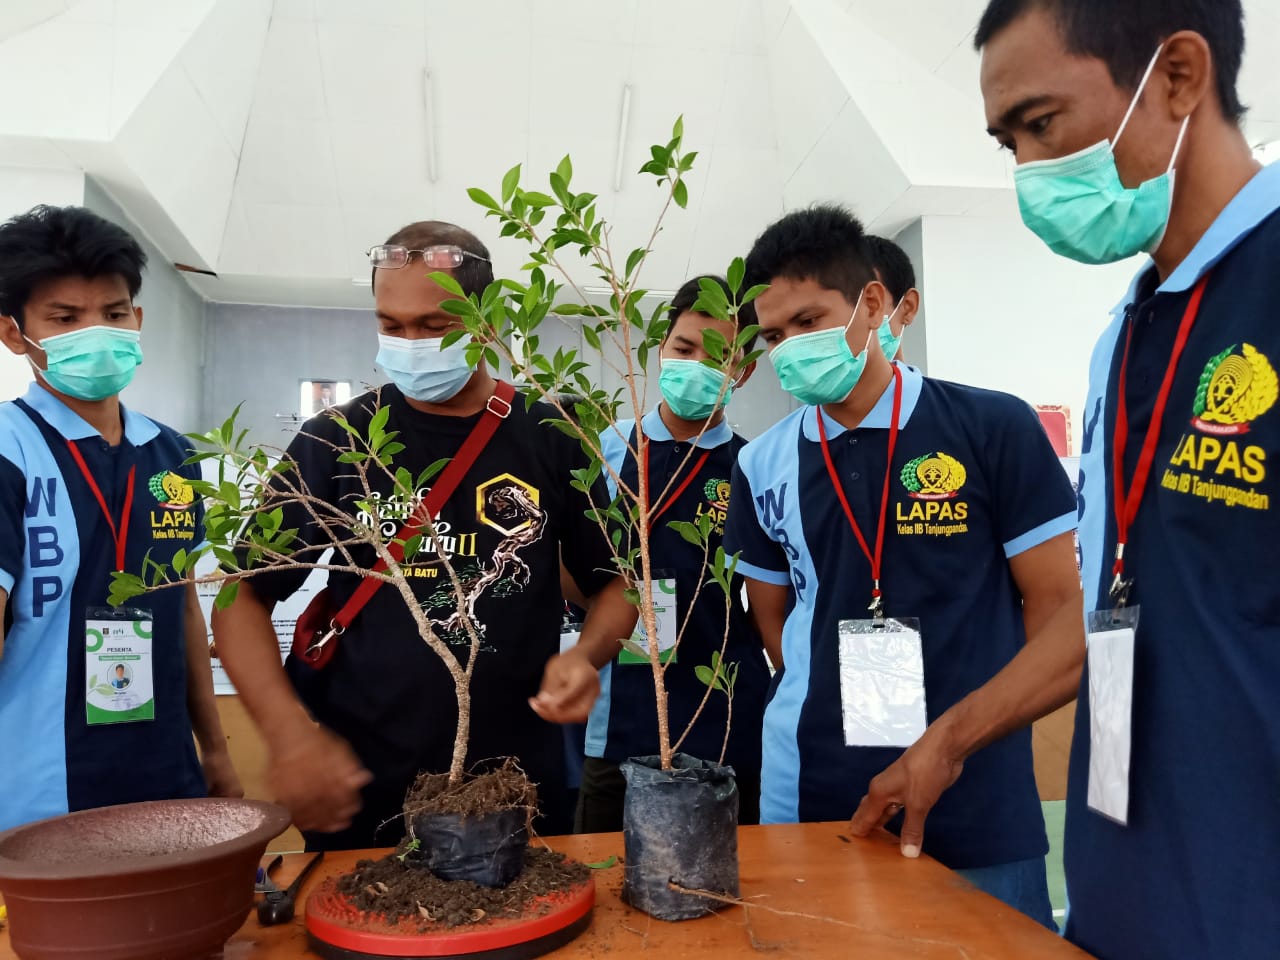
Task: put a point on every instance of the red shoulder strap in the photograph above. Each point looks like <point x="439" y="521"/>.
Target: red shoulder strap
<point x="496" y="410"/>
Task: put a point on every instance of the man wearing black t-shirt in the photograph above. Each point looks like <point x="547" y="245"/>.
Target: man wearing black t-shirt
<point x="385" y="704"/>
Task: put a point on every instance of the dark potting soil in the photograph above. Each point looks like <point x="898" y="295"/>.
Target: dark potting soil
<point x="398" y="891"/>
<point x="504" y="788"/>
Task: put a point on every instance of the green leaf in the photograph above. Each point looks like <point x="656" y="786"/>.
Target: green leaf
<point x="714" y="343"/>
<point x="483" y="199"/>
<point x="635" y="259"/>
<point x="352" y="456"/>
<point x="564" y="169"/>
<point x="754" y="292"/>
<point x="631" y="594"/>
<point x="510" y="180"/>
<point x="227" y="594"/>
<point x="737" y="272"/>
<point x="677" y="128"/>
<point x="448" y="283"/>
<point x="631" y="646"/>
<point x="413" y="546"/>
<point x="705" y="674"/>
<point x="680" y="194"/>
<point x="688" y="532"/>
<point x="603" y="864"/>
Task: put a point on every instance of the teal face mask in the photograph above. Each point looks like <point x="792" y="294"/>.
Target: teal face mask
<point x="1079" y="207"/>
<point x="92" y="363"/>
<point x="818" y="368"/>
<point x="691" y="389"/>
<point x="889" y="341"/>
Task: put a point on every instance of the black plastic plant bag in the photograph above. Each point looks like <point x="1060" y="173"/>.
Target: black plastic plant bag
<point x="679" y="826"/>
<point x="488" y="850"/>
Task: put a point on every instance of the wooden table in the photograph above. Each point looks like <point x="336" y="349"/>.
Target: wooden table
<point x="815" y="893"/>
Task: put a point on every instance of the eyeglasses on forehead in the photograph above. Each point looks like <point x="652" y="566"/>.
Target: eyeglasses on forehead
<point x="393" y="256"/>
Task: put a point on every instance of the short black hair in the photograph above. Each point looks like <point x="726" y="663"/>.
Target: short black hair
<point x="687" y="296"/>
<point x="47" y="243"/>
<point x="1125" y="35"/>
<point x="892" y="266"/>
<point x="472" y="275"/>
<point x="825" y="243"/>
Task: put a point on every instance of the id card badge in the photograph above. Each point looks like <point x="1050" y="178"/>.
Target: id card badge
<point x="664" y="612"/>
<point x="117" y="666"/>
<point x="1110" y="654"/>
<point x="882" y="682"/>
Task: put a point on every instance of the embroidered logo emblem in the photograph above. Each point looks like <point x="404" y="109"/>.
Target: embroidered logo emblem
<point x="717" y="493"/>
<point x="935" y="476"/>
<point x="1235" y="388"/>
<point x="172" y="491"/>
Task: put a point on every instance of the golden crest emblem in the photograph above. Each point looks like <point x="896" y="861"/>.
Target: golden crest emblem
<point x="1234" y="389"/>
<point x="935" y="476"/>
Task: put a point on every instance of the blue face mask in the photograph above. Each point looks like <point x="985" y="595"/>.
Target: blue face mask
<point x="92" y="363"/>
<point x="890" y="341"/>
<point x="422" y="370"/>
<point x="818" y="368"/>
<point x="1079" y="207"/>
<point x="692" y="390"/>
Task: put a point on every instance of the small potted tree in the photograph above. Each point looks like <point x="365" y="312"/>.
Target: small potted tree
<point x="681" y="812"/>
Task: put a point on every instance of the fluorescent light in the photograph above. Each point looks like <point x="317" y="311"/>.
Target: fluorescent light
<point x="429" y="118"/>
<point x="623" y="119"/>
<point x="362" y="281"/>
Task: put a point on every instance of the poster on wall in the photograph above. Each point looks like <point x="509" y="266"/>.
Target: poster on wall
<point x="1056" y="419"/>
<point x="317" y="395"/>
<point x="283" y="618"/>
<point x="1072" y="466"/>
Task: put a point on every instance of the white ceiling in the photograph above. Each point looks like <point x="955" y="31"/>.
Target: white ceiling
<point x="273" y="142"/>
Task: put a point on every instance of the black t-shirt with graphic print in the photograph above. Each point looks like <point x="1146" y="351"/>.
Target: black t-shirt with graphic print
<point x="505" y="529"/>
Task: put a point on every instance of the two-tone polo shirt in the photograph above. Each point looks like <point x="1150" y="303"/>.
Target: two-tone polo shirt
<point x="57" y="553"/>
<point x="974" y="482"/>
<point x="1196" y="871"/>
<point x="623" y="723"/>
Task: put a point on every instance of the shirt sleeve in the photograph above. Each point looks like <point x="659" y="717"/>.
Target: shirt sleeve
<point x="1033" y="500"/>
<point x="760" y="557"/>
<point x="13" y="499"/>
<point x="583" y="548"/>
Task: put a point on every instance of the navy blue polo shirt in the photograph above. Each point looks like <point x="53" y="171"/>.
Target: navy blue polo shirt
<point x="624" y="721"/>
<point x="56" y="558"/>
<point x="1196" y="872"/>
<point x="974" y="482"/>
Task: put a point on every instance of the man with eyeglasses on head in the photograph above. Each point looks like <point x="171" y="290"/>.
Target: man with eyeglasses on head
<point x="385" y="704"/>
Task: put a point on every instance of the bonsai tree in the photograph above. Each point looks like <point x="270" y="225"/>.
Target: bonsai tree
<point x="562" y="229"/>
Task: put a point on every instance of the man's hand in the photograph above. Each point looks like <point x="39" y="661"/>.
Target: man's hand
<point x="219" y="775"/>
<point x="570" y="685"/>
<point x="318" y="777"/>
<point x="913" y="783"/>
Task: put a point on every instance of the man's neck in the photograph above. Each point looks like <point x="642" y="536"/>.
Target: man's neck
<point x="682" y="429"/>
<point x="105" y="416"/>
<point x="853" y="409"/>
<point x="1212" y="170"/>
<point x="467" y="402"/>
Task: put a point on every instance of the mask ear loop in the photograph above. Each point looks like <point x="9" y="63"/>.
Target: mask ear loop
<point x="856" y="307"/>
<point x="1136" y="95"/>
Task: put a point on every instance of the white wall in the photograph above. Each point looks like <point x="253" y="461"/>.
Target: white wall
<point x="1007" y="314"/>
<point x="167" y="387"/>
<point x="21" y="189"/>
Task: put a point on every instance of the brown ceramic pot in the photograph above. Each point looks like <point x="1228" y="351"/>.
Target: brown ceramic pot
<point x="165" y="880"/>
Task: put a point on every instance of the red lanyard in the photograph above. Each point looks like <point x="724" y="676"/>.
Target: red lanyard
<point x="656" y="511"/>
<point x="1127" y="502"/>
<point x="877" y="605"/>
<point x="119" y="534"/>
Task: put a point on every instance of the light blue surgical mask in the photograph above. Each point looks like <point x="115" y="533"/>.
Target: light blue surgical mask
<point x="91" y="363"/>
<point x="692" y="390"/>
<point x="1079" y="207"/>
<point x="818" y="368"/>
<point x="422" y="369"/>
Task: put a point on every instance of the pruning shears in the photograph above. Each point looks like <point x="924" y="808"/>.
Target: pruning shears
<point x="276" y="905"/>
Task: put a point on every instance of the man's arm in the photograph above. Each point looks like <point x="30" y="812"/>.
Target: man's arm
<point x="571" y="680"/>
<point x="312" y="772"/>
<point x="1043" y="676"/>
<point x="219" y="773"/>
<point x="767" y="604"/>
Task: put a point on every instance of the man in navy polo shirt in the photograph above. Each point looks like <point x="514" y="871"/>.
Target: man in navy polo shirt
<point x="1178" y="854"/>
<point x="933" y="501"/>
<point x="88" y="487"/>
<point x="690" y="456"/>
